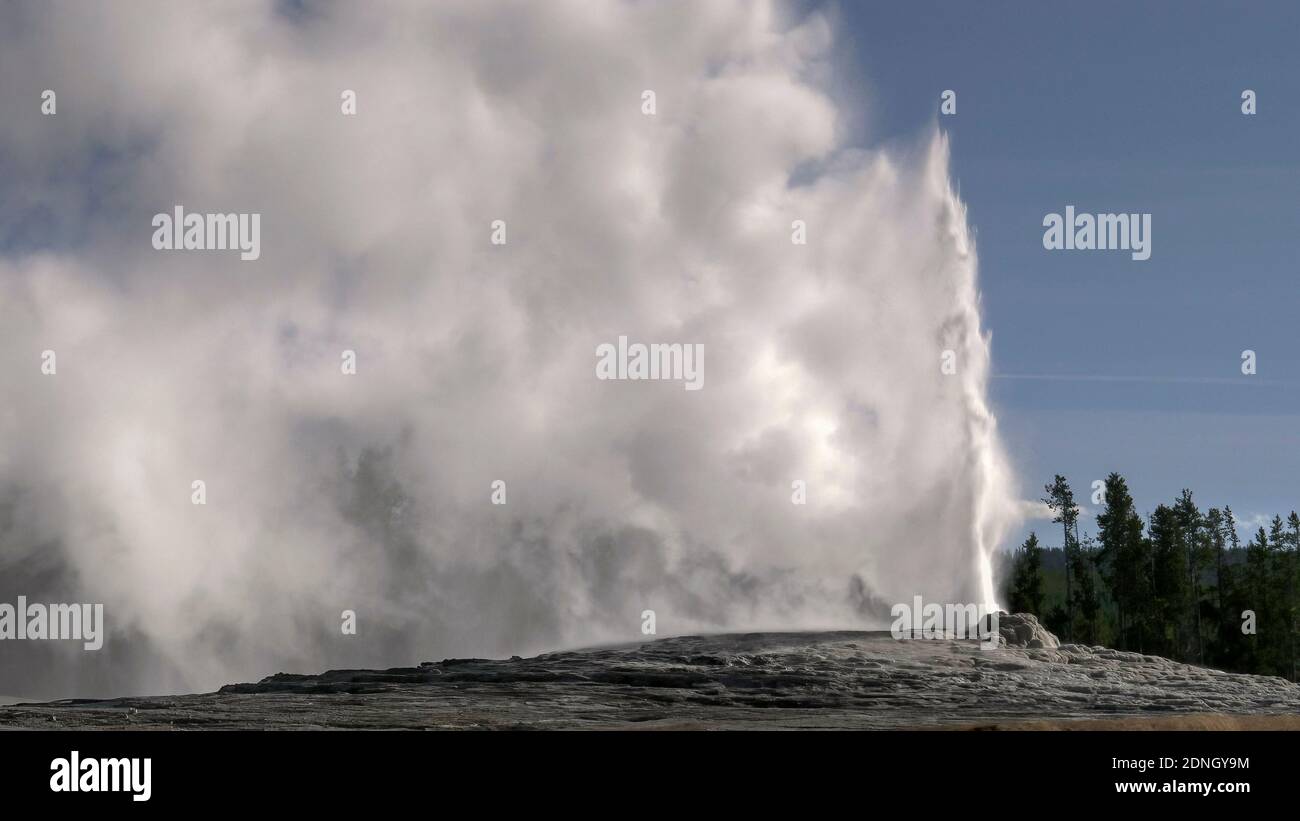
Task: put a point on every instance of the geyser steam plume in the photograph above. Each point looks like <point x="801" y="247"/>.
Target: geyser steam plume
<point x="475" y="362"/>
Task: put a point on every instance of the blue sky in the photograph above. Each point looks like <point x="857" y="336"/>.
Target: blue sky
<point x="1120" y="107"/>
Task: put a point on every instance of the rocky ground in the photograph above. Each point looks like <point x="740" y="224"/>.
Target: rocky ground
<point x="831" y="680"/>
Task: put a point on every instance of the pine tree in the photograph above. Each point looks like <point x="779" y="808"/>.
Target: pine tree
<point x="1123" y="561"/>
<point x="1169" y="579"/>
<point x="1027" y="578"/>
<point x="1235" y="591"/>
<point x="1086" y="601"/>
<point x="1278" y="639"/>
<point x="1060" y="499"/>
<point x="1215" y="526"/>
<point x="1190" y="524"/>
<point x="1256" y="599"/>
<point x="1293" y="553"/>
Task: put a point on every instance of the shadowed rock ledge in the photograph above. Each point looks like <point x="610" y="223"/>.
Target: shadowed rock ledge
<point x="827" y="680"/>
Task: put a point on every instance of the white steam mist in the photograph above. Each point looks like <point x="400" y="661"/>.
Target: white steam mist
<point x="475" y="362"/>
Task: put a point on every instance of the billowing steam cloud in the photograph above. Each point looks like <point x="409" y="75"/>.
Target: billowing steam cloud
<point x="475" y="362"/>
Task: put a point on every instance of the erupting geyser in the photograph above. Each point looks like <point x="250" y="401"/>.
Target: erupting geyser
<point x="852" y="362"/>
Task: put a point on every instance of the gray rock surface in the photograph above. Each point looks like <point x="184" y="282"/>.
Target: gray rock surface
<point x="765" y="680"/>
